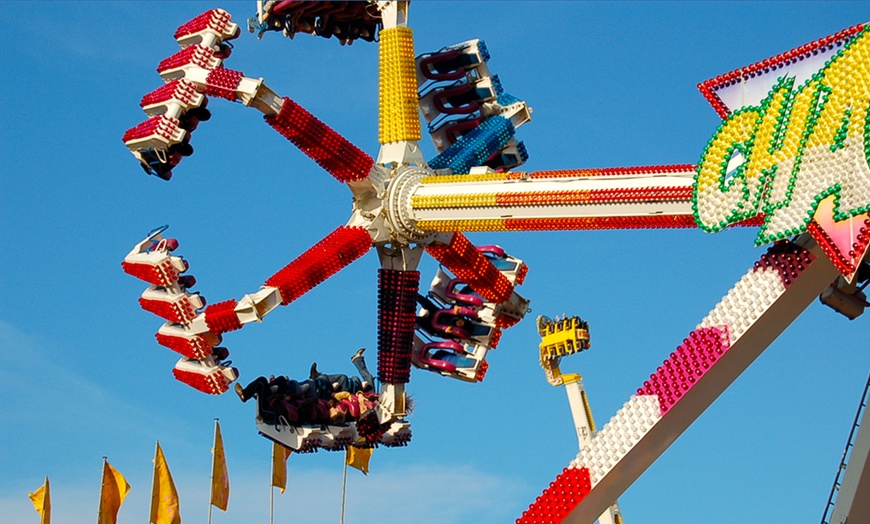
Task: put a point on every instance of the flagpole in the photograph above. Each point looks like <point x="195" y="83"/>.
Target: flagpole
<point x="343" y="486"/>
<point x="153" y="481"/>
<point x="102" y="487"/>
<point x="211" y="477"/>
<point x="272" y="487"/>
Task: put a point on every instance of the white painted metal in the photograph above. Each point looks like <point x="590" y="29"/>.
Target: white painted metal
<point x="579" y="184"/>
<point x="583" y="425"/>
<point x="756" y="314"/>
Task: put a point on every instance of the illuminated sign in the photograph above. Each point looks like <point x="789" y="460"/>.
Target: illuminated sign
<point x="800" y="156"/>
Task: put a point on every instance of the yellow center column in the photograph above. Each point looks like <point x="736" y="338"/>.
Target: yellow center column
<point x="400" y="156"/>
<point x="398" y="117"/>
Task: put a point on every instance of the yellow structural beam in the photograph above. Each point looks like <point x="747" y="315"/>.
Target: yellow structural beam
<point x="449" y="226"/>
<point x="398" y="116"/>
<point x="480" y="177"/>
<point x="448" y="201"/>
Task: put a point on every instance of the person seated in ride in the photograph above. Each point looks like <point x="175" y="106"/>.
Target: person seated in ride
<point x="317" y="386"/>
<point x="351" y="384"/>
<point x="272" y="396"/>
<point x="350" y="406"/>
<point x="281" y="407"/>
<point x="350" y="395"/>
<point x="260" y="387"/>
<point x="313" y="411"/>
<point x="311" y="401"/>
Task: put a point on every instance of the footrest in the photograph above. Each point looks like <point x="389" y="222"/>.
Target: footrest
<point x="168" y="303"/>
<point x="205" y="375"/>
<point x="181" y="339"/>
<point x="150" y="261"/>
<point x="216" y="23"/>
<point x="398" y="434"/>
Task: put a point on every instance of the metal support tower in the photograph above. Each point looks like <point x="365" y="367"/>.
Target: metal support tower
<point x="850" y="497"/>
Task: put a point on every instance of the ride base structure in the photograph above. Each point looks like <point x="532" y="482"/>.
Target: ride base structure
<point x="790" y="157"/>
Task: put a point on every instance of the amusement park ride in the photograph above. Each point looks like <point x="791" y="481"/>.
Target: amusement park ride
<point x="561" y="338"/>
<point x="790" y="157"/>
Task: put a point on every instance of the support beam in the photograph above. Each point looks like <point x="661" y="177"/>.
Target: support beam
<point x="784" y="282"/>
<point x="853" y="499"/>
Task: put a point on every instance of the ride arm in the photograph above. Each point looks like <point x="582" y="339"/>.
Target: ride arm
<point x="643" y="197"/>
<point x="464" y="260"/>
<point x="318" y="263"/>
<point x="199" y="69"/>
<point x="192" y="328"/>
<point x="757" y="309"/>
<point x="340" y="158"/>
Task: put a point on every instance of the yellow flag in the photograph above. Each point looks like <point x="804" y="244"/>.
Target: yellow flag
<point x="358" y="458"/>
<point x="164" y="497"/>
<point x="220" y="477"/>
<point x="42" y="502"/>
<point x="279" y="466"/>
<point x="112" y="494"/>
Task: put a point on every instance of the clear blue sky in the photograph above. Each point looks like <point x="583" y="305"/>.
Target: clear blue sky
<point x="611" y="84"/>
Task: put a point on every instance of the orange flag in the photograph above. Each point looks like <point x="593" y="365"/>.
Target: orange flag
<point x="112" y="494"/>
<point x="42" y="502"/>
<point x="220" y="477"/>
<point x="164" y="497"/>
<point x="358" y="458"/>
<point x="279" y="466"/>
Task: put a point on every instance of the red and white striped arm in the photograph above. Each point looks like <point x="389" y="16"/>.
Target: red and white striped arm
<point x="753" y="313"/>
<point x="321" y="261"/>
<point x="647" y="197"/>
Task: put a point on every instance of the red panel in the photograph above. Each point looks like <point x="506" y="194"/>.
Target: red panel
<point x="162" y="274"/>
<point x="557" y="501"/>
<point x="331" y="151"/>
<point x="481" y="371"/>
<point x="521" y="274"/>
<point x="222" y="83"/>
<point x="324" y="259"/>
<point x="179" y="89"/>
<point x="496" y="333"/>
<point x="181" y="310"/>
<point x="213" y="383"/>
<point x="691" y="361"/>
<point x="196" y="54"/>
<point x="192" y="347"/>
<point x="216" y="19"/>
<point x="162" y="125"/>
<point x="397" y="304"/>
<point x="221" y="317"/>
<point x="473" y="268"/>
